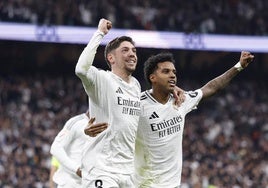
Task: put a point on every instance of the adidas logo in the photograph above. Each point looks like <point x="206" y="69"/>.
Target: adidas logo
<point x="154" y="115"/>
<point x="119" y="90"/>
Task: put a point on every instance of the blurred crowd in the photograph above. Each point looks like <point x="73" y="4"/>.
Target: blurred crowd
<point x="206" y="16"/>
<point x="225" y="140"/>
<point x="32" y="111"/>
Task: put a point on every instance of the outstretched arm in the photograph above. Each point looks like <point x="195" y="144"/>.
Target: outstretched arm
<point x="86" y="58"/>
<point x="221" y="81"/>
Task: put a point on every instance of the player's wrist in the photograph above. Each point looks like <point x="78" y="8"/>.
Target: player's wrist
<point x="238" y="66"/>
<point x="100" y="33"/>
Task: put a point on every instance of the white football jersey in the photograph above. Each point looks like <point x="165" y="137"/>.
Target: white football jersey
<point x="116" y="102"/>
<point x="158" y="159"/>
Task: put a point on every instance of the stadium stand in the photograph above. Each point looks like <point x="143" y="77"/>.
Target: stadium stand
<point x="207" y="16"/>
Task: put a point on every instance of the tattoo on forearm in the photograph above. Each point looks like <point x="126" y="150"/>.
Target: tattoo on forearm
<point x="221" y="81"/>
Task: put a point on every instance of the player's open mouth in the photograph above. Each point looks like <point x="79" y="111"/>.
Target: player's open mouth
<point x="172" y="82"/>
<point x="131" y="62"/>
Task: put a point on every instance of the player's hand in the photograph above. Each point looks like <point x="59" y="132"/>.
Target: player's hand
<point x="179" y="96"/>
<point x="95" y="129"/>
<point x="104" y="25"/>
<point x="246" y="58"/>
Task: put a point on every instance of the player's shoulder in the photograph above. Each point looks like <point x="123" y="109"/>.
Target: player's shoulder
<point x="136" y="83"/>
<point x="147" y="98"/>
<point x="193" y="93"/>
<point x="143" y="95"/>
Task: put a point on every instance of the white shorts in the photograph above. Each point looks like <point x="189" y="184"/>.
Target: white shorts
<point x="97" y="178"/>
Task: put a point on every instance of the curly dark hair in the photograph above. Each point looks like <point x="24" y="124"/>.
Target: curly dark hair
<point x="151" y="63"/>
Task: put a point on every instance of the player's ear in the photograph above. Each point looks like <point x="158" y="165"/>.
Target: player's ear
<point x="152" y="77"/>
<point x="110" y="58"/>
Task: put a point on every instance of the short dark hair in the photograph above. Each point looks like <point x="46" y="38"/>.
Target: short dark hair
<point x="115" y="43"/>
<point x="151" y="63"/>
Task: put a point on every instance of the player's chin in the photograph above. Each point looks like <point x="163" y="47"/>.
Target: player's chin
<point x="171" y="88"/>
<point x="131" y="69"/>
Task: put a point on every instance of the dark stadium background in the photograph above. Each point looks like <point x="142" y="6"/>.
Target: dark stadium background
<point x="233" y="158"/>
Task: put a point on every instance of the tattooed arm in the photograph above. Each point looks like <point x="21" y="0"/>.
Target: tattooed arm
<point x="221" y="81"/>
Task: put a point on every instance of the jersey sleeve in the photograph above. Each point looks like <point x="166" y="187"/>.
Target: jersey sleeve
<point x="61" y="141"/>
<point x="192" y="99"/>
<point x="87" y="56"/>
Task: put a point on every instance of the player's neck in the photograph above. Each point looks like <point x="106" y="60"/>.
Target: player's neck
<point x="160" y="96"/>
<point x="123" y="75"/>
